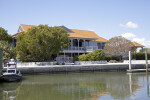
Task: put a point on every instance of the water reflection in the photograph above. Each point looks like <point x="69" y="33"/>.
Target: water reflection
<point x="77" y="86"/>
<point x="147" y="79"/>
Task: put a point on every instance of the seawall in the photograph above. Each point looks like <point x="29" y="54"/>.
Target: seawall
<point x="78" y="68"/>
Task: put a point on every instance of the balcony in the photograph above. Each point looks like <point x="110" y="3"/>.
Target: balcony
<point x="91" y="48"/>
<point x="80" y="49"/>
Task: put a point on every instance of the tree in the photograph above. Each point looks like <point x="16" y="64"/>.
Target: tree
<point x="8" y="50"/>
<point x="96" y="55"/>
<point x="41" y="42"/>
<point x="118" y="46"/>
<point x="4" y="35"/>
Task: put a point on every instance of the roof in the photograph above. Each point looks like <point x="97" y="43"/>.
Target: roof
<point x="74" y="33"/>
<point x="88" y="34"/>
<point x="135" y="44"/>
<point x="26" y="27"/>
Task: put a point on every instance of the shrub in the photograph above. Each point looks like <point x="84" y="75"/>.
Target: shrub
<point x="140" y="56"/>
<point x="108" y="58"/>
<point x="82" y="57"/>
<point x="93" y="56"/>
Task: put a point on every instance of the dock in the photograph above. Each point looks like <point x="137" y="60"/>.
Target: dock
<point x="137" y="70"/>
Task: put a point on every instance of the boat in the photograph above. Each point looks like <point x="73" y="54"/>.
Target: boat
<point x="11" y="73"/>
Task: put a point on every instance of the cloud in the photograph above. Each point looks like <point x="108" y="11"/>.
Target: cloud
<point x="128" y="35"/>
<point x="129" y="25"/>
<point x="133" y="37"/>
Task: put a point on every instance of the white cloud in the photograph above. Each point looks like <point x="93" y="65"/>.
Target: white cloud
<point x="133" y="37"/>
<point x="128" y="35"/>
<point x="129" y="25"/>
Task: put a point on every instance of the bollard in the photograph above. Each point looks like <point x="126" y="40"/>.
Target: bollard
<point x="1" y="61"/>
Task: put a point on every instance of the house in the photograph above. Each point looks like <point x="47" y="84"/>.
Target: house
<point x="135" y="45"/>
<point x="82" y="42"/>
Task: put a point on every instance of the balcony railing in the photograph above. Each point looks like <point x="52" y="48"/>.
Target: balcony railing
<point x="87" y="49"/>
<point x="91" y="48"/>
<point x="75" y="48"/>
<point x="64" y="59"/>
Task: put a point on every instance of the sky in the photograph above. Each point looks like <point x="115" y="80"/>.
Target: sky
<point x="107" y="18"/>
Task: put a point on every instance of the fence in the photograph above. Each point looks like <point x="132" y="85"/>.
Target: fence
<point x="136" y="61"/>
<point x="34" y="64"/>
<point x="89" y="62"/>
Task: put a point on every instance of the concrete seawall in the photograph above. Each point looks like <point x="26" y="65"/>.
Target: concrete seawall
<point x="78" y="68"/>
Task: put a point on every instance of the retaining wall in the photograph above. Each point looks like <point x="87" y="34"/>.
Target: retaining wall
<point x="79" y="68"/>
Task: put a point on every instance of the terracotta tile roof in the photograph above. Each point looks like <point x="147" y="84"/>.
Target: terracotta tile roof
<point x="26" y="27"/>
<point x="89" y="34"/>
<point x="76" y="33"/>
<point x="135" y="44"/>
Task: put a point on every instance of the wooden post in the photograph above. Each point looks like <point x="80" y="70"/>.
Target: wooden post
<point x="130" y="60"/>
<point x="146" y="59"/>
<point x="1" y="61"/>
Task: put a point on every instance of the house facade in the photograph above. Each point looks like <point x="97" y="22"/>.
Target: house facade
<point x="82" y="42"/>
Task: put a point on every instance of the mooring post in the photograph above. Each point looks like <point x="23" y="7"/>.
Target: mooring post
<point x="146" y="59"/>
<point x="1" y="61"/>
<point x="130" y="60"/>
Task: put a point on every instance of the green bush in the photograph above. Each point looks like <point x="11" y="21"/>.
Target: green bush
<point x="140" y="56"/>
<point x="93" y="56"/>
<point x="108" y="58"/>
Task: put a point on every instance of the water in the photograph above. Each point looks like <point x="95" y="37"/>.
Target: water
<point x="79" y="86"/>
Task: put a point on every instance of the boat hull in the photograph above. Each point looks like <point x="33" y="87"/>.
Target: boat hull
<point x="11" y="77"/>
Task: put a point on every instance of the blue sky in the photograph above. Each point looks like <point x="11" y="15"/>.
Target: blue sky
<point x="108" y="18"/>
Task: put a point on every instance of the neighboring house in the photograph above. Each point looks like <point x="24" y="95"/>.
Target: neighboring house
<point x="82" y="42"/>
<point x="135" y="45"/>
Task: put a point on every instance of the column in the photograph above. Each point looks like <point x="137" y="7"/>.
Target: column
<point x="101" y="45"/>
<point x="64" y="54"/>
<point x="71" y="44"/>
<point x="84" y="44"/>
<point x="78" y="43"/>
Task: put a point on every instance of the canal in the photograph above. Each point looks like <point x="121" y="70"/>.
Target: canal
<point x="79" y="86"/>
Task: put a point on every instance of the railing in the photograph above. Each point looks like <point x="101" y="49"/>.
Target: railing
<point x="64" y="59"/>
<point x="91" y="48"/>
<point x="74" y="48"/>
<point x="88" y="48"/>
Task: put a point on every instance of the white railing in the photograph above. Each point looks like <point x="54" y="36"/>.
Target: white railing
<point x="136" y="61"/>
<point x="91" y="48"/>
<point x="64" y="59"/>
<point x="74" y="48"/>
<point x="89" y="62"/>
<point x="88" y="48"/>
<point x="34" y="64"/>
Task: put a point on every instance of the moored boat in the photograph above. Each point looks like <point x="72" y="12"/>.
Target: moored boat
<point x="11" y="73"/>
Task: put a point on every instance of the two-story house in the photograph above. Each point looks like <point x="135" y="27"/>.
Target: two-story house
<point x="82" y="42"/>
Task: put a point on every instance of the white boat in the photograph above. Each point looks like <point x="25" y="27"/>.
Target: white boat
<point x="11" y="73"/>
